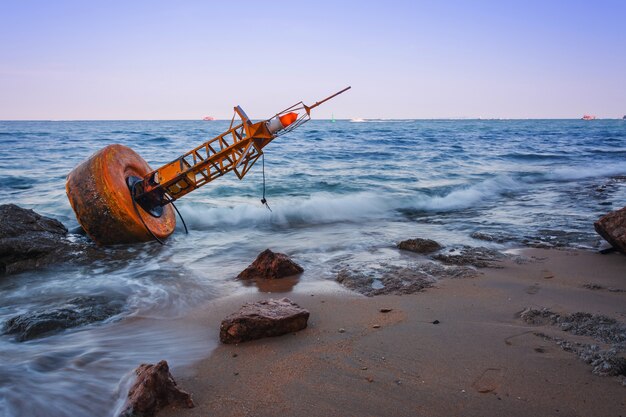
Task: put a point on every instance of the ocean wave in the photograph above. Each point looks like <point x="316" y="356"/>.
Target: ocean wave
<point x="318" y="209"/>
<point x="324" y="208"/>
<point x="583" y="172"/>
<point x="469" y="195"/>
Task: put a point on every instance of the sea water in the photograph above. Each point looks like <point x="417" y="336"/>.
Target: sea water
<point x="340" y="193"/>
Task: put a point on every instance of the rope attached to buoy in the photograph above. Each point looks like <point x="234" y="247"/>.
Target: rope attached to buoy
<point x="263" y="200"/>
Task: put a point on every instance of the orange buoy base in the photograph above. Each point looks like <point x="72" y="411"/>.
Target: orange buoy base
<point x="99" y="194"/>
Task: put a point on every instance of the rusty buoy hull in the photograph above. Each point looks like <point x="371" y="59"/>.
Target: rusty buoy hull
<point x="99" y="194"/>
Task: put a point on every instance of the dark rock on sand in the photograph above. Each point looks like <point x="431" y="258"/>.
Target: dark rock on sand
<point x="29" y="240"/>
<point x="271" y="265"/>
<point x="154" y="389"/>
<point x="612" y="227"/>
<point x="419" y="245"/>
<point x="76" y="312"/>
<point x="392" y="279"/>
<point x="267" y="318"/>
<point x="479" y="257"/>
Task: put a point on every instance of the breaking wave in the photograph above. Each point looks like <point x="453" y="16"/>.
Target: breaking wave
<point x="582" y="172"/>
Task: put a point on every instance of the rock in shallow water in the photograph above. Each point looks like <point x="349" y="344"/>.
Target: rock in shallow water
<point x="419" y="245"/>
<point x="265" y="318"/>
<point x="154" y="389"/>
<point x="476" y="256"/>
<point x="271" y="265"/>
<point x="78" y="311"/>
<point x="393" y="279"/>
<point x="29" y="240"/>
<point x="612" y="227"/>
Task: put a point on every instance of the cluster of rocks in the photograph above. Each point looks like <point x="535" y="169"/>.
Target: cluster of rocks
<point x="608" y="361"/>
<point x="29" y="240"/>
<point x="438" y="262"/>
<point x="385" y="279"/>
<point x="154" y="387"/>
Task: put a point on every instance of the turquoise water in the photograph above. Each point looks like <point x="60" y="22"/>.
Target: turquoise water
<point x="340" y="193"/>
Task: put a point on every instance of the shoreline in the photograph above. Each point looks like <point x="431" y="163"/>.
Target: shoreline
<point x="479" y="359"/>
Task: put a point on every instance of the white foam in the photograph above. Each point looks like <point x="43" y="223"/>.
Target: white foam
<point x="317" y="209"/>
<point x="469" y="196"/>
<point x="588" y="171"/>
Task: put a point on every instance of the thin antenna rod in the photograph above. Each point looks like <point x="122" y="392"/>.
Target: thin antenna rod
<point x="308" y="108"/>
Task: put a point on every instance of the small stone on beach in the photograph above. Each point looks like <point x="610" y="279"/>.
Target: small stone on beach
<point x="376" y="326"/>
<point x="385" y="310"/>
<point x="342" y="330"/>
<point x="436" y="322"/>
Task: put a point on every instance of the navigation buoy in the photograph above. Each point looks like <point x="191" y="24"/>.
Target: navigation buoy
<point x="100" y="196"/>
<point x="118" y="198"/>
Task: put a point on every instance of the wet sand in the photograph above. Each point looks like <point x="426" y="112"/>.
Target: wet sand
<point x="481" y="359"/>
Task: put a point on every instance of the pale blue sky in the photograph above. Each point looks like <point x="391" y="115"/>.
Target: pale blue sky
<point x="420" y="59"/>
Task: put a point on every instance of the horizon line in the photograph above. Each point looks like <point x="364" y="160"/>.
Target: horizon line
<point x="356" y="120"/>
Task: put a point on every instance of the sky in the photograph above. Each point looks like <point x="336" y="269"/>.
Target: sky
<point x="144" y="60"/>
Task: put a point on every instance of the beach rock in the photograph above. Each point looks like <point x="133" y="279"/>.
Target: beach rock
<point x="78" y="311"/>
<point x="612" y="227"/>
<point x="487" y="237"/>
<point x="419" y="245"/>
<point x="393" y="279"/>
<point x="271" y="265"/>
<point x="153" y="390"/>
<point x="29" y="240"/>
<point x="476" y="256"/>
<point x="267" y="318"/>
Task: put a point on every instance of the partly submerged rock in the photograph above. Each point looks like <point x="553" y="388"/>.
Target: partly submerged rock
<point x="394" y="279"/>
<point x="271" y="265"/>
<point x="419" y="245"/>
<point x="612" y="227"/>
<point x="29" y="240"/>
<point x="154" y="389"/>
<point x="267" y="318"/>
<point x="78" y="311"/>
<point x="476" y="256"/>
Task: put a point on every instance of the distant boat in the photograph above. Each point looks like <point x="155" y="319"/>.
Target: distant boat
<point x="357" y="120"/>
<point x="624" y="118"/>
<point x="588" y="117"/>
<point x="208" y="118"/>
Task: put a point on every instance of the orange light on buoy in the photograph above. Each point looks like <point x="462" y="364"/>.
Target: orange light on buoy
<point x="288" y="119"/>
<point x="279" y="123"/>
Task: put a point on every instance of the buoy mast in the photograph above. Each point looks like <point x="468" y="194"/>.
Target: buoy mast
<point x="236" y="149"/>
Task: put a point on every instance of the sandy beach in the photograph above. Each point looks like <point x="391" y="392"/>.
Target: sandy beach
<point x="479" y="359"/>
